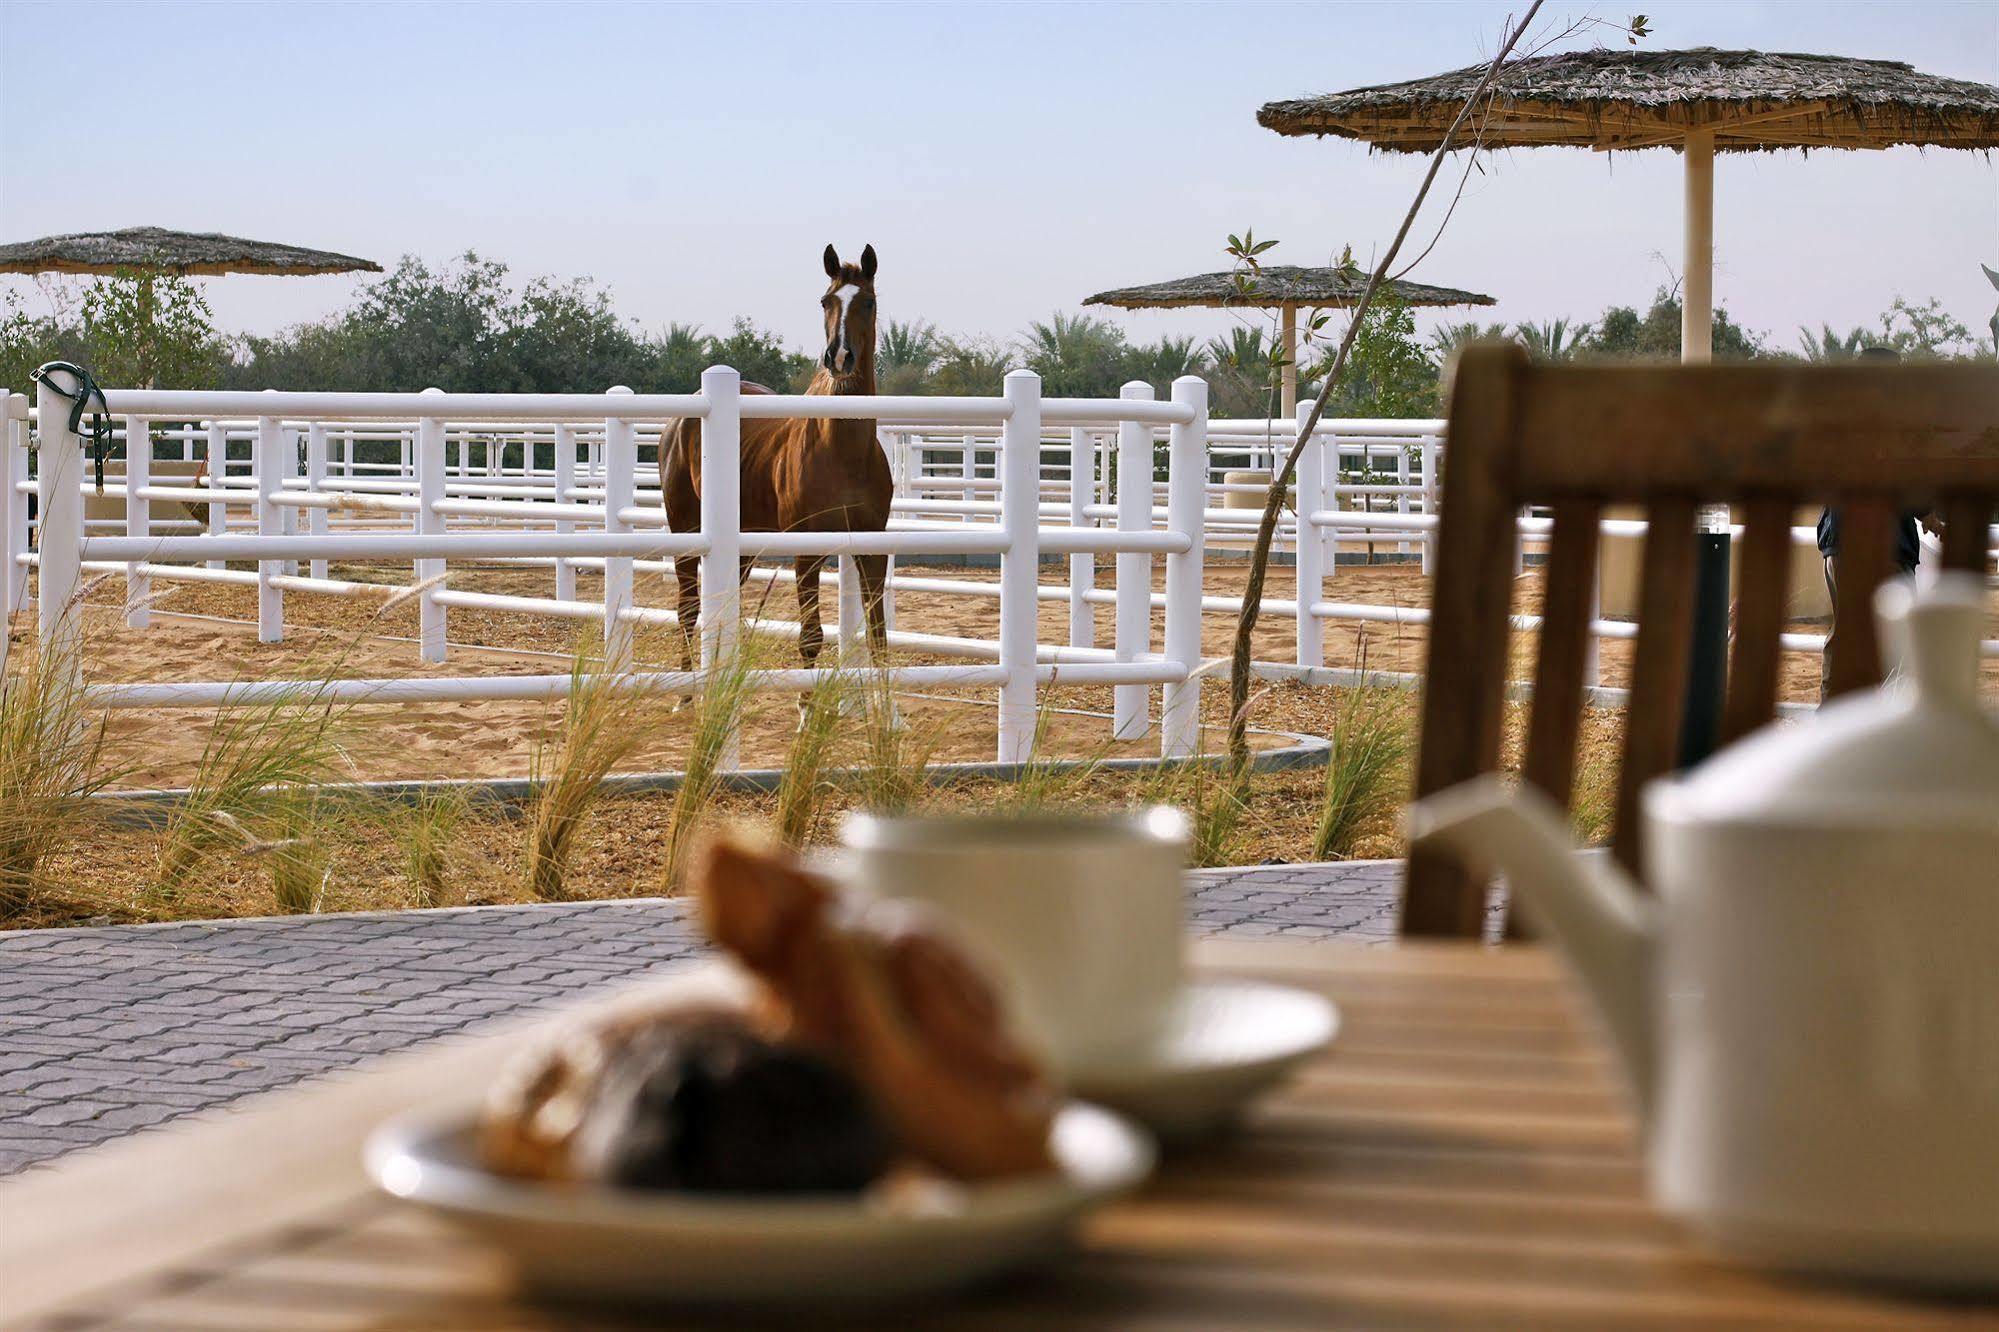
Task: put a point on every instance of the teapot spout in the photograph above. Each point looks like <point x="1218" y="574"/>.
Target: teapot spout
<point x="1602" y="921"/>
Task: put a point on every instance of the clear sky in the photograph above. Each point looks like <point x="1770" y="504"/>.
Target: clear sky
<point x="1005" y="160"/>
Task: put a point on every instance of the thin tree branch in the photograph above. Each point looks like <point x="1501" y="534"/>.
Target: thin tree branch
<point x="1273" y="505"/>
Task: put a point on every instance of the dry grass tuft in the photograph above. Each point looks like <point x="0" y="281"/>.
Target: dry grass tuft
<point x="258" y="759"/>
<point x="718" y="719"/>
<point x="604" y="721"/>
<point x="51" y="763"/>
<point x="802" y="792"/>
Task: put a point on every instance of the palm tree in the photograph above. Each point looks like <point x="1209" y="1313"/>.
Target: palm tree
<point x="1162" y="362"/>
<point x="906" y="355"/>
<point x="1243" y="382"/>
<point x="1447" y="338"/>
<point x="1827" y="345"/>
<point x="1076" y="356"/>
<point x="1553" y="341"/>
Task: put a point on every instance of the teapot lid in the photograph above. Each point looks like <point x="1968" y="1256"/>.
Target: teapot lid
<point x="1919" y="747"/>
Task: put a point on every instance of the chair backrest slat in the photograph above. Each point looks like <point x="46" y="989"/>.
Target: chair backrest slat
<point x="1563" y="649"/>
<point x="1659" y="663"/>
<point x="1763" y="593"/>
<point x="1876" y="440"/>
<point x="1866" y="559"/>
<point x="1967" y="532"/>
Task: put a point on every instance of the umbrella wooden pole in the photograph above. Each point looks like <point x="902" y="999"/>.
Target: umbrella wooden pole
<point x="1697" y="288"/>
<point x="1707" y="677"/>
<point x="1287" y="397"/>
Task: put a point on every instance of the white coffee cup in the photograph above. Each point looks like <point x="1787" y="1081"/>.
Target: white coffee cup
<point x="1080" y="919"/>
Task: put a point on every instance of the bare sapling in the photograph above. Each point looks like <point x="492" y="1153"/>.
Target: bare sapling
<point x="1282" y="479"/>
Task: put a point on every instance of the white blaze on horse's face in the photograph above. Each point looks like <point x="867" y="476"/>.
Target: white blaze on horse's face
<point x="843" y="353"/>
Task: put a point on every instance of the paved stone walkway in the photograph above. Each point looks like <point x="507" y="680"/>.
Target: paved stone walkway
<point x="106" y="1031"/>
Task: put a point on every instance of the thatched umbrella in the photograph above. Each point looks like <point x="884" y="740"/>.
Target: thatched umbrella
<point x="1282" y="288"/>
<point x="1700" y="102"/>
<point x="157" y="250"/>
<point x="151" y="252"/>
<point x="1697" y="102"/>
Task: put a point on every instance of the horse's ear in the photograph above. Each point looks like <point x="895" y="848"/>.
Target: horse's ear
<point x="868" y="263"/>
<point x="832" y="262"/>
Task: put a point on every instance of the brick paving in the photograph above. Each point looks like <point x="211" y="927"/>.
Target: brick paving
<point x="107" y="1031"/>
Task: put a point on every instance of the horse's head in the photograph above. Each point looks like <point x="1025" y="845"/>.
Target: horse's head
<point x="849" y="303"/>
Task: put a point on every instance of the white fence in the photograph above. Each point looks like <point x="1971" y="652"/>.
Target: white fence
<point x="602" y="517"/>
<point x="571" y="481"/>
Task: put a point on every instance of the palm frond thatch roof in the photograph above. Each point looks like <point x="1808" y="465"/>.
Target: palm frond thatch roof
<point x="1639" y="99"/>
<point x="1277" y="285"/>
<point x="157" y="250"/>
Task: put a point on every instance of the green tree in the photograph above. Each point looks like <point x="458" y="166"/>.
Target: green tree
<point x="906" y="356"/>
<point x="1388" y="372"/>
<point x="970" y="367"/>
<point x="151" y="330"/>
<point x="1926" y="333"/>
<point x="1621" y="333"/>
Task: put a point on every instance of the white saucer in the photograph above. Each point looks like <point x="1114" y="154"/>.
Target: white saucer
<point x="631" y="1245"/>
<point x="1225" y="1042"/>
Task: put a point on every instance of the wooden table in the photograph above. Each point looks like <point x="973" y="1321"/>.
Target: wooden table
<point x="1460" y="1159"/>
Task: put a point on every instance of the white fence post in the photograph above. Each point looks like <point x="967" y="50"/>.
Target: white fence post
<point x="430" y="467"/>
<point x="315" y="484"/>
<point x="1020" y="523"/>
<point x="721" y="513"/>
<point x="968" y="467"/>
<point x="264" y="464"/>
<point x="1427" y="470"/>
<point x="1592" y="645"/>
<point x="621" y="460"/>
<point x="59" y="510"/>
<point x="14" y="510"/>
<point x="1310" y="546"/>
<point x="1134" y="568"/>
<point x="288" y="470"/>
<point x="1082" y="564"/>
<point x="218" y="468"/>
<point x="138" y="515"/>
<point x="565" y="481"/>
<point x="1186" y="494"/>
<point x="1402" y="495"/>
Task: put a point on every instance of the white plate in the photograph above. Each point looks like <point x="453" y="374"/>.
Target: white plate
<point x="1225" y="1042"/>
<point x="632" y="1245"/>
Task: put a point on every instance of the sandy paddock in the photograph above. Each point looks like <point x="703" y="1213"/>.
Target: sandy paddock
<point x="204" y="632"/>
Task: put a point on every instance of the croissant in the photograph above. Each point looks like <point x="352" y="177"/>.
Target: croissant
<point x="876" y="987"/>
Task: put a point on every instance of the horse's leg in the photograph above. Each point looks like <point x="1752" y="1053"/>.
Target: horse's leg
<point x="687" y="572"/>
<point x="873" y="573"/>
<point x="810" y="635"/>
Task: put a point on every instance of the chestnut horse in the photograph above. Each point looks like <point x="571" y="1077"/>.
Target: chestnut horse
<point x="802" y="476"/>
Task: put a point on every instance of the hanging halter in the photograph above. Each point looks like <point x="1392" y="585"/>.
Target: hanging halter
<point x="80" y="397"/>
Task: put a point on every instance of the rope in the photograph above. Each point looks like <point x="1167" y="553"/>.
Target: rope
<point x="81" y="395"/>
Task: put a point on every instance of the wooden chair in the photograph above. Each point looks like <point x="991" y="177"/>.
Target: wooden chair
<point x="1874" y="439"/>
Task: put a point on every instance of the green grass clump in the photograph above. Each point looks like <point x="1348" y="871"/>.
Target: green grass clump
<point x="1369" y="746"/>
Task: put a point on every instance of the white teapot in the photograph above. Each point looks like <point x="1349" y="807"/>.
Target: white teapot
<point x="1807" y="1003"/>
